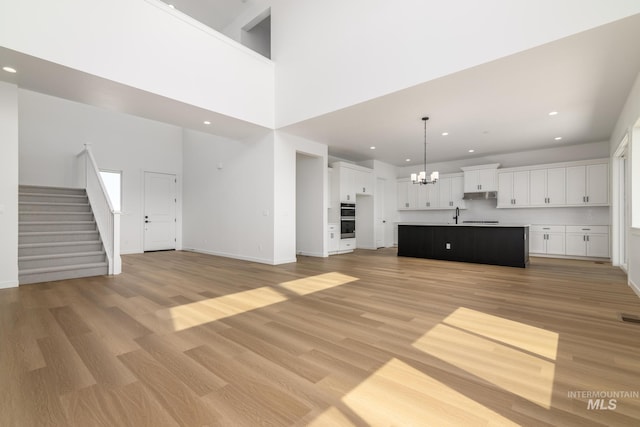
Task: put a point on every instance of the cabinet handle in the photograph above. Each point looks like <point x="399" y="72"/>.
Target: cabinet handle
<point x="406" y="205"/>
<point x="587" y="238"/>
<point x="587" y="199"/>
<point x="584" y="238"/>
<point x="364" y="190"/>
<point x="546" y="228"/>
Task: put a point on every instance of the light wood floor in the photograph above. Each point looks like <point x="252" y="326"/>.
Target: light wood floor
<point x="184" y="339"/>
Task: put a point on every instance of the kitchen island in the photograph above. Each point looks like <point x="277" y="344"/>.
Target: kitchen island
<point x="496" y="244"/>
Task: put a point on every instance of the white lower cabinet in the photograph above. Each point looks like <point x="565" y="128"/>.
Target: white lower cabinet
<point x="547" y="239"/>
<point x="333" y="238"/>
<point x="570" y="240"/>
<point x="346" y="245"/>
<point x="585" y="240"/>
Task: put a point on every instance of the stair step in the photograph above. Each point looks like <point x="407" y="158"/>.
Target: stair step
<point x="56" y="260"/>
<point x="37" y="275"/>
<point x="31" y="226"/>
<point x="54" y="216"/>
<point x="56" y="198"/>
<point x="31" y="249"/>
<point x="51" y="190"/>
<point x="53" y="207"/>
<point x="58" y="236"/>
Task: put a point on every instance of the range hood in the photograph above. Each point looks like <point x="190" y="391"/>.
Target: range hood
<point x="480" y="195"/>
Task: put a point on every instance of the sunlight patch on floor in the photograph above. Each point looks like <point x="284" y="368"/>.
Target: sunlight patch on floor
<point x="212" y="309"/>
<point x="514" y="356"/>
<point x="317" y="283"/>
<point x="398" y="394"/>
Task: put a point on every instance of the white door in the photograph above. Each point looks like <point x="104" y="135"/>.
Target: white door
<point x="159" y="211"/>
<point x="380" y="219"/>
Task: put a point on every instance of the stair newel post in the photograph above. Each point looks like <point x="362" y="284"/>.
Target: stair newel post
<point x="87" y="149"/>
<point x="117" y="262"/>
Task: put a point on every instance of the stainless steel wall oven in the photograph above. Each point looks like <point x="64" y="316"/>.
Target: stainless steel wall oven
<point x="347" y="220"/>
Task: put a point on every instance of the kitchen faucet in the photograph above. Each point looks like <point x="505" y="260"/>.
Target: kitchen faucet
<point x="457" y="214"/>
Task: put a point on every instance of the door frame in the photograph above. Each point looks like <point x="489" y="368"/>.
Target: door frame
<point x="620" y="205"/>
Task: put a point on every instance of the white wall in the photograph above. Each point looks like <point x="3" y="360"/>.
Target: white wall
<point x="229" y="196"/>
<point x="629" y="118"/>
<point x="286" y="148"/>
<point x="145" y="45"/>
<point x="309" y="205"/>
<point x="8" y="185"/>
<point x="54" y="130"/>
<point x="375" y="48"/>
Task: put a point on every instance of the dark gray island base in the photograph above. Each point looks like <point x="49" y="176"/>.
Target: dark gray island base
<point x="495" y="244"/>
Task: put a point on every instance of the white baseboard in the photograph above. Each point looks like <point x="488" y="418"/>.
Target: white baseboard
<point x="236" y="256"/>
<point x="314" y="254"/>
<point x="634" y="287"/>
<point x="9" y="284"/>
<point x="130" y="252"/>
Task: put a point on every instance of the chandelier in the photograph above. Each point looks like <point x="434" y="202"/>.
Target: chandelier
<point x="421" y="178"/>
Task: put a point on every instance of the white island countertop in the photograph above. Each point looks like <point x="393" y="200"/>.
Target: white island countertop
<point x="431" y="224"/>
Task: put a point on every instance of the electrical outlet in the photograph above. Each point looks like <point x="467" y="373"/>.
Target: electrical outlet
<point x="448" y="245"/>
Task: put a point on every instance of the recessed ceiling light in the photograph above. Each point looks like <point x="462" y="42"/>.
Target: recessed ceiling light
<point x="407" y="160"/>
<point x="471" y="151"/>
<point x="172" y="6"/>
<point x="558" y="138"/>
<point x="9" y="70"/>
<point x="372" y="147"/>
<point x="445" y="133"/>
<point x="207" y="122"/>
<point x="553" y="113"/>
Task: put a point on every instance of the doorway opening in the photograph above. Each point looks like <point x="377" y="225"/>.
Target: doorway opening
<point x="256" y="34"/>
<point x="113" y="184"/>
<point x="310" y="213"/>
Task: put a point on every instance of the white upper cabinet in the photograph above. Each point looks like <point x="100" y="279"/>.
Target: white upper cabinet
<point x="363" y="182"/>
<point x="547" y="187"/>
<point x="581" y="183"/>
<point x="352" y="180"/>
<point x="445" y="194"/>
<point x="513" y="189"/>
<point x="480" y="178"/>
<point x="407" y="195"/>
<point x="588" y="184"/>
<point x="451" y="191"/>
<point x="428" y="196"/>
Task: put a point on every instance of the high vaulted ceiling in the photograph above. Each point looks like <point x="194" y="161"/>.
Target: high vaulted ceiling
<point x="498" y="107"/>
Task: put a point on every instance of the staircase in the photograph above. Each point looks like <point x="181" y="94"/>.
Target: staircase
<point x="58" y="237"/>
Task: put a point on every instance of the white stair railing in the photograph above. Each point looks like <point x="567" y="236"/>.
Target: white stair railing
<point x="107" y="219"/>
